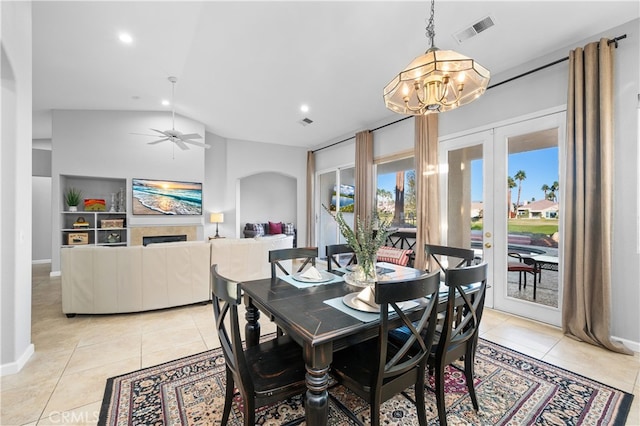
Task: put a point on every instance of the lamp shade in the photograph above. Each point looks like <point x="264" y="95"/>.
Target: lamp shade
<point x="216" y="218"/>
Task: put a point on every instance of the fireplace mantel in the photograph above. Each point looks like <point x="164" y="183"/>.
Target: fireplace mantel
<point x="137" y="232"/>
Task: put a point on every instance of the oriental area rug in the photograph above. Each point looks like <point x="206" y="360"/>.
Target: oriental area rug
<point x="512" y="389"/>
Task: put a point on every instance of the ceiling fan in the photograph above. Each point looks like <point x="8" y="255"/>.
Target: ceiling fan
<point x="173" y="135"/>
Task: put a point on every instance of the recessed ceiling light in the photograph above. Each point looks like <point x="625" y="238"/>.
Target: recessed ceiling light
<point x="125" y="38"/>
<point x="304" y="108"/>
<point x="166" y="102"/>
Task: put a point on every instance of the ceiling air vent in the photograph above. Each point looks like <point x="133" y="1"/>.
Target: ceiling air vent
<point x="475" y="29"/>
<point x="306" y="121"/>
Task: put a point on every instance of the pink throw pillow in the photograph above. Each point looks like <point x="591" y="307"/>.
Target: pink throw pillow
<point x="275" y="228"/>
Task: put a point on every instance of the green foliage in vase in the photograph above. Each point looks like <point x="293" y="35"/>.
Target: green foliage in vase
<point x="72" y="196"/>
<point x="369" y="235"/>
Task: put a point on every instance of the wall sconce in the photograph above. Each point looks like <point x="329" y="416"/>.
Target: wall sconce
<point x="216" y="218"/>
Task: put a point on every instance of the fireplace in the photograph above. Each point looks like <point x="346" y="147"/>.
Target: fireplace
<point x="163" y="239"/>
<point x="137" y="233"/>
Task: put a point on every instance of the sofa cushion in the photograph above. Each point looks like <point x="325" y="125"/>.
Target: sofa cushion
<point x="288" y="229"/>
<point x="257" y="227"/>
<point x="275" y="228"/>
<point x="394" y="255"/>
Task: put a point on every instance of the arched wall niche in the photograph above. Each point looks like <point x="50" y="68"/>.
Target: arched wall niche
<point x="266" y="196"/>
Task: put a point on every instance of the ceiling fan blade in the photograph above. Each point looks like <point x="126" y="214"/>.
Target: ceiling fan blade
<point x="200" y="144"/>
<point x="160" y="131"/>
<point x="143" y="134"/>
<point x="158" y="141"/>
<point x="181" y="144"/>
<point x="191" y="136"/>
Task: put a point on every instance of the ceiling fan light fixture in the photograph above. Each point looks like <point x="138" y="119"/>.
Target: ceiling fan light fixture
<point x="438" y="81"/>
<point x="173" y="135"/>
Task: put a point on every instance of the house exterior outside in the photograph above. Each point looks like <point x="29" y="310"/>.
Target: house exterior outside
<point x="542" y="209"/>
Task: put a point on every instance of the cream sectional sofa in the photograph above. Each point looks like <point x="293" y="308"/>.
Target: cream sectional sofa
<point x="105" y="280"/>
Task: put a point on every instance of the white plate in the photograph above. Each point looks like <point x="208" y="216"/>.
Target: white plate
<point x="326" y="276"/>
<point x="352" y="301"/>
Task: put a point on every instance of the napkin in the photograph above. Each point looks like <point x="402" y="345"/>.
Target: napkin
<point x="368" y="296"/>
<point x="312" y="274"/>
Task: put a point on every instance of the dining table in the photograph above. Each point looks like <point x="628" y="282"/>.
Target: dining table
<point x="316" y="315"/>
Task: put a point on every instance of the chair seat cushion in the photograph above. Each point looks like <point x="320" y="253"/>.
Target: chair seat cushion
<point x="394" y="255"/>
<point x="517" y="266"/>
<point x="276" y="364"/>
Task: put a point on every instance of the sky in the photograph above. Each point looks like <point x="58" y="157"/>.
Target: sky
<point x="540" y="167"/>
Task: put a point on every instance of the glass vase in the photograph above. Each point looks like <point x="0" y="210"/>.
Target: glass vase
<point x="367" y="268"/>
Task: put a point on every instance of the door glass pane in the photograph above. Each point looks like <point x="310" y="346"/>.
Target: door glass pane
<point x="336" y="189"/>
<point x="465" y="202"/>
<point x="533" y="237"/>
<point x="327" y="228"/>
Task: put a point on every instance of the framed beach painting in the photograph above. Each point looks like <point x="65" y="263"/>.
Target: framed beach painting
<point x="166" y="197"/>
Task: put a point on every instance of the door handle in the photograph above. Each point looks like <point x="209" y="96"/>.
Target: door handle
<point x="487" y="245"/>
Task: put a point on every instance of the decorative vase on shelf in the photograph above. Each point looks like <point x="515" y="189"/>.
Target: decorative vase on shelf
<point x="113" y="203"/>
<point x="73" y="208"/>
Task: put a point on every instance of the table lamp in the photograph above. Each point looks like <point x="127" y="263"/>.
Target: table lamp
<point x="216" y="218"/>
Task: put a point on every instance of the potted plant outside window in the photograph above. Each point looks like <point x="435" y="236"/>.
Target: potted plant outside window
<point x="72" y="197"/>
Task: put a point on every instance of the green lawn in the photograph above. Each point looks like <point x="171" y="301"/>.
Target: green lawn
<point x="527" y="226"/>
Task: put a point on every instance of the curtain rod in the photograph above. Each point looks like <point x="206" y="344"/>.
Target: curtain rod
<point x="613" y="40"/>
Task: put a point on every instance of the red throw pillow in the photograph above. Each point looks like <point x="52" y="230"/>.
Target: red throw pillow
<point x="275" y="228"/>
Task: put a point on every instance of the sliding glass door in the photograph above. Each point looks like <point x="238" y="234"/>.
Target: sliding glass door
<point x="335" y="192"/>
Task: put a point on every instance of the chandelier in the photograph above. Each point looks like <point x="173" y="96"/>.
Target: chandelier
<point x="438" y="81"/>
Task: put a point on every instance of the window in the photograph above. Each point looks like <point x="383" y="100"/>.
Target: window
<point x="396" y="192"/>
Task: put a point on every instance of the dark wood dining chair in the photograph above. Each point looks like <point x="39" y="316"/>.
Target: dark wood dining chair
<point x="456" y="256"/>
<point x="307" y="255"/>
<point x="264" y="374"/>
<point x="524" y="265"/>
<point x="378" y="369"/>
<point x="334" y="254"/>
<point x="458" y="336"/>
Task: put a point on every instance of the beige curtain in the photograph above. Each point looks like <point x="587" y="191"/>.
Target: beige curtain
<point x="427" y="185"/>
<point x="586" y="309"/>
<point x="311" y="223"/>
<point x="365" y="181"/>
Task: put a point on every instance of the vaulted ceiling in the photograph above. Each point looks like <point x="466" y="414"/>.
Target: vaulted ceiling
<point x="245" y="68"/>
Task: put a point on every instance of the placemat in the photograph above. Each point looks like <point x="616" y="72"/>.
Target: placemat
<point x="337" y="303"/>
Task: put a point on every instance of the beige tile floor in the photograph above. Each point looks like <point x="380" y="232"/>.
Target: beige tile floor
<point x="63" y="382"/>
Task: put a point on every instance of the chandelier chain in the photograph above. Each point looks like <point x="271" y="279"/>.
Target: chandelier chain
<point x="431" y="30"/>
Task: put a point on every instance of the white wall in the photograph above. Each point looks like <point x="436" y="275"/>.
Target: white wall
<point x="100" y="144"/>
<point x="541" y="91"/>
<point x="249" y="158"/>
<point x="15" y="181"/>
<point x="268" y="197"/>
<point x="42" y="219"/>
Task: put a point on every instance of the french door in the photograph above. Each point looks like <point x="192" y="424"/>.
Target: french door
<point x="501" y="196"/>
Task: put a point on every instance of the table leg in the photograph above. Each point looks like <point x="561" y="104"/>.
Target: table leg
<point x="252" y="328"/>
<point x="316" y="406"/>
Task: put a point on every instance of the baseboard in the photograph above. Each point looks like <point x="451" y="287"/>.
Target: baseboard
<point x="16" y="366"/>
<point x="55" y="273"/>
<point x="40" y="261"/>
<point x="634" y="346"/>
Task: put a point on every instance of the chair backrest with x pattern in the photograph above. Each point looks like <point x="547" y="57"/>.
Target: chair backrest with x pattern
<point x="463" y="256"/>
<point x="226" y="297"/>
<point x="465" y="303"/>
<point x="419" y="341"/>
<point x="334" y="251"/>
<point x="309" y="254"/>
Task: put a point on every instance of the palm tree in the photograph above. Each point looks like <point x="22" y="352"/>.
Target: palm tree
<point x="555" y="188"/>
<point x="519" y="176"/>
<point x="545" y="188"/>
<point x="398" y="211"/>
<point x="511" y="184"/>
